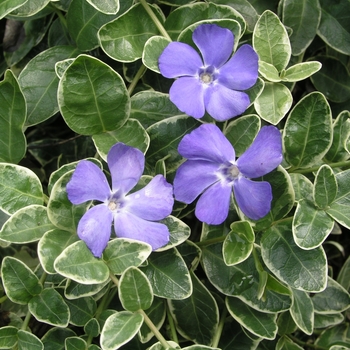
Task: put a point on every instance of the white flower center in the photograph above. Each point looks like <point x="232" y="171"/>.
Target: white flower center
<point x="229" y="172"/>
<point x="206" y="78"/>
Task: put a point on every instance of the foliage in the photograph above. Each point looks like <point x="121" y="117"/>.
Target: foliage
<point x="79" y="76"/>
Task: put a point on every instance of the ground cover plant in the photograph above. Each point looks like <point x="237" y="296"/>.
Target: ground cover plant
<point x="174" y="174"/>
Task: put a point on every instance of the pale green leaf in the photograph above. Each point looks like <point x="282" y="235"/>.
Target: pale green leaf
<point x="300" y="71"/>
<point x="302" y="311"/>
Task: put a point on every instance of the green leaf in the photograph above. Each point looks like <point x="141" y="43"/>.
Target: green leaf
<point x="334" y="336"/>
<point x="49" y="307"/>
<point x="168" y="275"/>
<point x="75" y="343"/>
<point x="12" y="116"/>
<point x="51" y="245"/>
<point x="269" y="71"/>
<point x="344" y="275"/>
<point x="30" y="8"/>
<point x="84" y="27"/>
<point x="27" y="225"/>
<point x="189" y="14"/>
<point x="341" y="132"/>
<point x="301" y="269"/>
<point x="19" y="187"/>
<point x="311" y="226"/>
<point x="332" y="300"/>
<point x="307" y="135"/>
<point x="62" y="213"/>
<point x="92" y="328"/>
<point x="81" y="310"/>
<point x="124" y="38"/>
<point x="339" y="209"/>
<point x="135" y="291"/>
<point x="20" y="283"/>
<point x="157" y="314"/>
<point x="27" y="340"/>
<point x="154" y="46"/>
<point x="165" y="137"/>
<point x="274" y="102"/>
<point x="149" y="107"/>
<point x="106" y="103"/>
<point x="39" y="83"/>
<point x="303" y="17"/>
<point x="122" y="253"/>
<point x="105" y="6"/>
<point x="242" y="131"/>
<point x="300" y="71"/>
<point x="302" y="311"/>
<point x="242" y="281"/>
<point x="196" y="317"/>
<point x="132" y="134"/>
<point x="334" y="27"/>
<point x="261" y="324"/>
<point x="333" y="79"/>
<point x="239" y="243"/>
<point x="284" y="343"/>
<point x="303" y="187"/>
<point x="159" y="346"/>
<point x="7" y="6"/>
<point x="78" y="263"/>
<point x="324" y="320"/>
<point x="75" y="290"/>
<point x="270" y="40"/>
<point x="325" y="189"/>
<point x="54" y="339"/>
<point x="120" y="328"/>
<point x="8" y="337"/>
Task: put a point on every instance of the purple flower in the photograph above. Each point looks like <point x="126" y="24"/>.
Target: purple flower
<point x="214" y="83"/>
<point x="133" y="214"/>
<point x="212" y="171"/>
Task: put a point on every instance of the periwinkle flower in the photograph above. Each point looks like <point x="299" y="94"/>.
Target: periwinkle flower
<point x="134" y="214"/>
<point x="211" y="171"/>
<point x="213" y="82"/>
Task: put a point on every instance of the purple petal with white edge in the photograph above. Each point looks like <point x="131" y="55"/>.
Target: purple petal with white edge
<point x="213" y="205"/>
<point x="153" y="202"/>
<point x="207" y="142"/>
<point x="215" y="43"/>
<point x="192" y="178"/>
<point x="88" y="182"/>
<point x="94" y="228"/>
<point x="179" y="59"/>
<point x="241" y="71"/>
<point x="253" y="197"/>
<point x="264" y="154"/>
<point x="223" y="103"/>
<point x="131" y="226"/>
<point x="126" y="165"/>
<point x="187" y="93"/>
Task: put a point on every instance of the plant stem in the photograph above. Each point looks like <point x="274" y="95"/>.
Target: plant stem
<point x="345" y="164"/>
<point x="136" y="78"/>
<point x="210" y="241"/>
<point x="172" y="326"/>
<point x="220" y="328"/>
<point x="155" y="19"/>
<point x="3" y="298"/>
<point x="26" y="320"/>
<point x="148" y="321"/>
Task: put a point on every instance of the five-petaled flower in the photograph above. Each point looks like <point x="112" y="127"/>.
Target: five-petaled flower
<point x="211" y="171"/>
<point x="214" y="83"/>
<point x="134" y="214"/>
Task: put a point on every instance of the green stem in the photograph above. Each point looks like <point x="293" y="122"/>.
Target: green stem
<point x="26" y="320"/>
<point x="136" y="78"/>
<point x="154" y="329"/>
<point x="155" y="19"/>
<point x="306" y="345"/>
<point x="220" y="328"/>
<point x="210" y="241"/>
<point x="60" y="16"/>
<point x="172" y="326"/>
<point x="3" y="298"/>
<point x="342" y="164"/>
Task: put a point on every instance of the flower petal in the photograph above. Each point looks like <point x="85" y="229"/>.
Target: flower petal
<point x="153" y="202"/>
<point x="222" y="103"/>
<point x="192" y="178"/>
<point x="88" y="182"/>
<point x="94" y="228"/>
<point x="179" y="59"/>
<point x="264" y="154"/>
<point x="253" y="198"/>
<point x="126" y="165"/>
<point x="213" y="205"/>
<point x="241" y="71"/>
<point x="131" y="226"/>
<point x="187" y="93"/>
<point x="214" y="42"/>
<point x="207" y="142"/>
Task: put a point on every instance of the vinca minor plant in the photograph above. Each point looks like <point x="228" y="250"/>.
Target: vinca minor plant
<point x="174" y="174"/>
